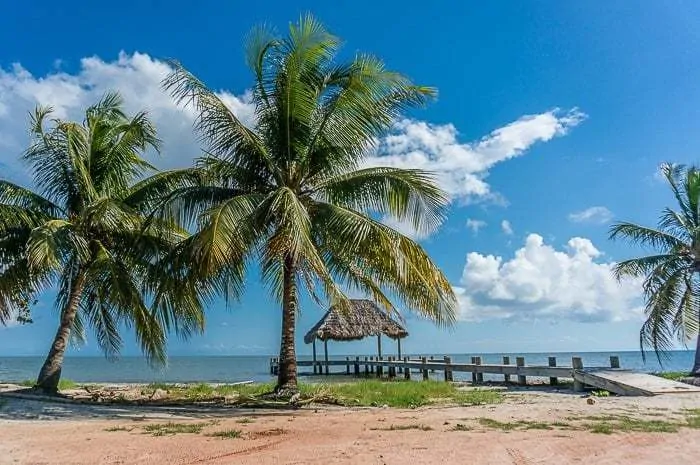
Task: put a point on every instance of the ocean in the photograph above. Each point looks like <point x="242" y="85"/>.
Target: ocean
<point x="226" y="369"/>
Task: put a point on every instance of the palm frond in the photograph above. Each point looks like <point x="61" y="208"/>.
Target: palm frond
<point x="399" y="193"/>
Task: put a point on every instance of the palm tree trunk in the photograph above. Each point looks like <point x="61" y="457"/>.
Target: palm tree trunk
<point x="696" y="365"/>
<point x="50" y="373"/>
<point x="287" y="376"/>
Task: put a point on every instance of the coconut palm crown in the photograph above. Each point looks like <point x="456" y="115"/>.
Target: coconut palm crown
<point x="290" y="191"/>
<point x="83" y="233"/>
<point x="671" y="272"/>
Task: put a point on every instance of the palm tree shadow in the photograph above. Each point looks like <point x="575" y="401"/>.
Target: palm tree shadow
<point x="60" y="409"/>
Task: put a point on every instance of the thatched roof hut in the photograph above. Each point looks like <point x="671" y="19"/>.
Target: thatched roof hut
<point x="364" y="320"/>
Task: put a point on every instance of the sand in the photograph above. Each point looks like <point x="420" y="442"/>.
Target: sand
<point x="33" y="432"/>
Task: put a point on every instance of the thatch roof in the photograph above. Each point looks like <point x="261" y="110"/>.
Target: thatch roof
<point x="365" y="319"/>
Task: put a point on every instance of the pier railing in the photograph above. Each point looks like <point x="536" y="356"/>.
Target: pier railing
<point x="423" y="366"/>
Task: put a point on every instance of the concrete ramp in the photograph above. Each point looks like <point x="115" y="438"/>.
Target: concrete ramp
<point x="631" y="383"/>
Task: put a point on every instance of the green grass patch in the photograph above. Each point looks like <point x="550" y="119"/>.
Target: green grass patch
<point x="405" y="427"/>
<point x="402" y="394"/>
<point x="226" y="434"/>
<point x="672" y="375"/>
<point x="518" y="425"/>
<point x="63" y="384"/>
<point x="163" y="429"/>
<point x="629" y="425"/>
<point x="117" y="428"/>
<point x="522" y="425"/>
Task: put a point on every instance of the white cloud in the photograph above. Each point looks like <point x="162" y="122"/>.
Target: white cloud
<point x="137" y="77"/>
<point x="475" y="225"/>
<point x="461" y="168"/>
<point x="542" y="282"/>
<point x="600" y="215"/>
<point x="507" y="228"/>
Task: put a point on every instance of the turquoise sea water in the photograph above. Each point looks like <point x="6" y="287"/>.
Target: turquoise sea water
<point x="242" y="368"/>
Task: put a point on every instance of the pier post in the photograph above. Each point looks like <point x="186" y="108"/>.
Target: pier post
<point x="479" y="375"/>
<point x="424" y="361"/>
<point x="371" y="367"/>
<point x="398" y="344"/>
<point x="347" y="365"/>
<point x="314" y="362"/>
<point x="432" y="359"/>
<point x="553" y="379"/>
<point x="366" y="367"/>
<point x="614" y="361"/>
<point x="520" y="361"/>
<point x="406" y="370"/>
<point x="357" y="366"/>
<point x="392" y="368"/>
<point x="380" y="368"/>
<point x="325" y="354"/>
<point x="448" y="368"/>
<point x="506" y="361"/>
<point x="577" y="364"/>
<point x="474" y="378"/>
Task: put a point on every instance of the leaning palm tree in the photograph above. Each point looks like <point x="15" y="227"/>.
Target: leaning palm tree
<point x="83" y="233"/>
<point x="671" y="286"/>
<point x="290" y="190"/>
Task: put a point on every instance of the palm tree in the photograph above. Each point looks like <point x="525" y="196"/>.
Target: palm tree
<point x="290" y="191"/>
<point x="671" y="274"/>
<point x="83" y="233"/>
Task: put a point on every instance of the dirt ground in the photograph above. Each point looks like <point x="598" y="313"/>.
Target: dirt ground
<point x="33" y="432"/>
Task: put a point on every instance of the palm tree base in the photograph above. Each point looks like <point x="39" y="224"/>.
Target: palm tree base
<point x="286" y="391"/>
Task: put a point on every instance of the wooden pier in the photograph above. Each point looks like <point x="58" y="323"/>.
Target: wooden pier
<point x="612" y="378"/>
<point x="423" y="366"/>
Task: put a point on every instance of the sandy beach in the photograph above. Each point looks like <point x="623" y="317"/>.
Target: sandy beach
<point x="35" y="432"/>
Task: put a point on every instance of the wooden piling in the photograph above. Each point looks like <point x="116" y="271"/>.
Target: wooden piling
<point x="347" y="365"/>
<point x="553" y="380"/>
<point x="366" y="367"/>
<point x="357" y="366"/>
<point x="475" y="379"/>
<point x="448" y="369"/>
<point x="325" y="355"/>
<point x="424" y="361"/>
<point x="614" y="361"/>
<point x="380" y="368"/>
<point x="506" y="361"/>
<point x="577" y="364"/>
<point x="406" y="370"/>
<point x="371" y="367"/>
<point x="479" y="375"/>
<point x="522" y="379"/>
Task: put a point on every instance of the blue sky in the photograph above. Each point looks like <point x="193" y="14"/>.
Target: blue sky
<point x="550" y="124"/>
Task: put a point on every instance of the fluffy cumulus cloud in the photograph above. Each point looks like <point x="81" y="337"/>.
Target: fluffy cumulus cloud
<point x="137" y="77"/>
<point x="541" y="282"/>
<point x="598" y="215"/>
<point x="507" y="228"/>
<point x="475" y="225"/>
<point x="462" y="168"/>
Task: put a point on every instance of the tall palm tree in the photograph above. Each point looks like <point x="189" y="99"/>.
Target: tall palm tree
<point x="290" y="191"/>
<point x="83" y="233"/>
<point x="671" y="286"/>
